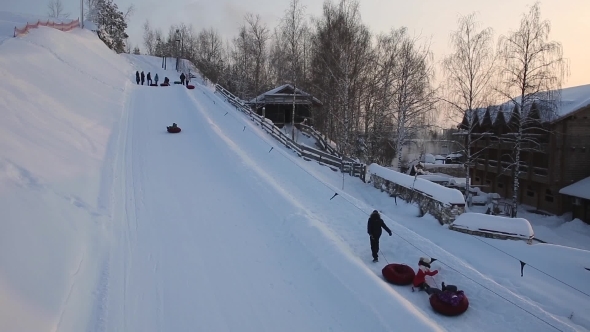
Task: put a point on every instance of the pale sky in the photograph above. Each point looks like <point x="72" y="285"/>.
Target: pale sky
<point x="432" y="19"/>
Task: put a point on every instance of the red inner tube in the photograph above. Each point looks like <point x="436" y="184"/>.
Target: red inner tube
<point x="190" y="87"/>
<point x="173" y="130"/>
<point x="399" y="274"/>
<point x="448" y="309"/>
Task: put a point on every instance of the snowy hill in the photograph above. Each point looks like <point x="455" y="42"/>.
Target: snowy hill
<point x="60" y="98"/>
<point x="112" y="224"/>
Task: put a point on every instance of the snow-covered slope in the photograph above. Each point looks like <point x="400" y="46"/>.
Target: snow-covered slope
<point x="61" y="94"/>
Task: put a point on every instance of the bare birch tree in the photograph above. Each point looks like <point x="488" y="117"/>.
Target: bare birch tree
<point x="149" y="39"/>
<point x="342" y="52"/>
<point x="55" y="9"/>
<point x="293" y="26"/>
<point x="242" y="61"/>
<point x="468" y="72"/>
<point x="210" y="53"/>
<point x="413" y="96"/>
<point x="259" y="37"/>
<point x="380" y="133"/>
<point x="533" y="69"/>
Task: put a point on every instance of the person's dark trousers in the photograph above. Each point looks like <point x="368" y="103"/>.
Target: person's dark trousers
<point x="149" y="82"/>
<point x="375" y="246"/>
<point x="429" y="290"/>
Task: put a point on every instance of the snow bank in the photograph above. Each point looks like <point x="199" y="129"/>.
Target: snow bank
<point x="442" y="194"/>
<point x="61" y="94"/>
<point x="518" y="227"/>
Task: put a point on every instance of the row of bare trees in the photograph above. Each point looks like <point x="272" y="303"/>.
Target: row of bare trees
<point x="526" y="72"/>
<point x="375" y="95"/>
<point x="377" y="90"/>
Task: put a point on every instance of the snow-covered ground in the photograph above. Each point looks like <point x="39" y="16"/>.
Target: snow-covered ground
<point x="112" y="224"/>
<point x="560" y="230"/>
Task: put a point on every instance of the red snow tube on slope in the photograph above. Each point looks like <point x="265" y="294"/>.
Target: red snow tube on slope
<point x="449" y="309"/>
<point x="173" y="130"/>
<point x="153" y="84"/>
<point x="399" y="274"/>
<point x="190" y="87"/>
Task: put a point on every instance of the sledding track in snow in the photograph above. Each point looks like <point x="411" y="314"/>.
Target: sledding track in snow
<point x="200" y="241"/>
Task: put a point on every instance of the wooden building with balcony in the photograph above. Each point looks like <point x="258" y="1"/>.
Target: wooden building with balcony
<point x="560" y="159"/>
<point x="277" y="105"/>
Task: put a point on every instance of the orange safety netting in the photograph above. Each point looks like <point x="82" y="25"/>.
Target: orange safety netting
<point x="59" y="26"/>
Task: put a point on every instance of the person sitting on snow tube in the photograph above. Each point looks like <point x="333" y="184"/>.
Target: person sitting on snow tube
<point x="449" y="301"/>
<point x="173" y="129"/>
<point x="450" y="295"/>
<point x="423" y="271"/>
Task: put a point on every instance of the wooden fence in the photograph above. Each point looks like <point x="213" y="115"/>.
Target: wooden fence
<point x="328" y="158"/>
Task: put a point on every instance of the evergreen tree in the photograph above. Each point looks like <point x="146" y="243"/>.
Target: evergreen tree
<point x="111" y="24"/>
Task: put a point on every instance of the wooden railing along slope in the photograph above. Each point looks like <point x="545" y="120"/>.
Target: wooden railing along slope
<point x="328" y="158"/>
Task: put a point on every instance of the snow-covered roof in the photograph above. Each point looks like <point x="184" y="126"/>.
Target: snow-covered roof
<point x="573" y="99"/>
<point x="519" y="227"/>
<point x="579" y="189"/>
<point x="570" y="100"/>
<point x="276" y="91"/>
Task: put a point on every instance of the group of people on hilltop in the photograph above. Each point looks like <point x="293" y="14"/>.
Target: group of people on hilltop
<point x="141" y="77"/>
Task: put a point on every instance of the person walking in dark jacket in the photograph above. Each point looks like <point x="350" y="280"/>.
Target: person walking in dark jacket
<point x="374" y="226"/>
<point x="142" y="78"/>
<point x="182" y="77"/>
<point x="137" y="77"/>
<point x="149" y="79"/>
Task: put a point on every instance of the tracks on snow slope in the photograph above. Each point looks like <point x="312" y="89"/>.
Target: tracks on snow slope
<point x="480" y="306"/>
